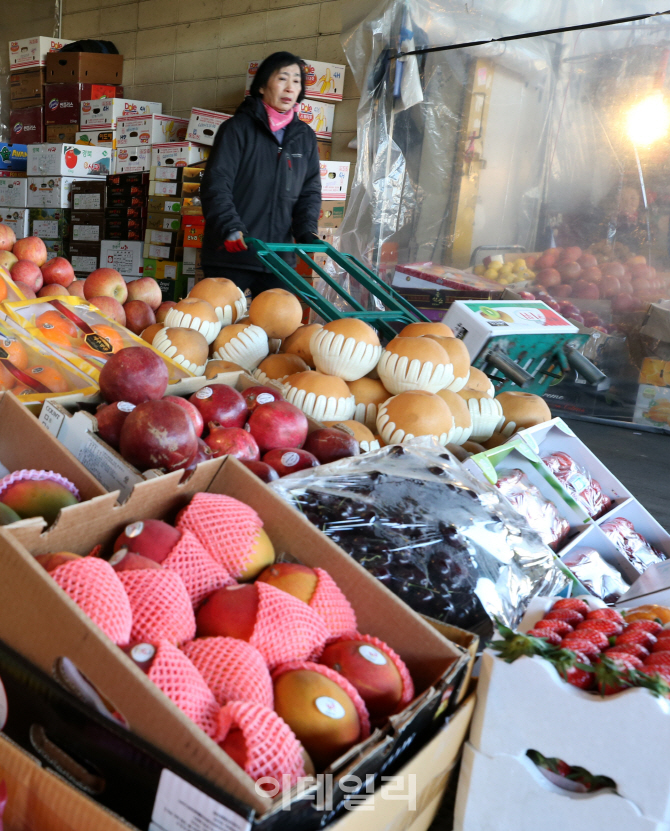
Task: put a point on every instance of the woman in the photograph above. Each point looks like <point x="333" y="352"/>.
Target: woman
<point x="262" y="178"/>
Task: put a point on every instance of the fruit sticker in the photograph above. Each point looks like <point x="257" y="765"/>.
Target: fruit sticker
<point x="265" y="398"/>
<point x="126" y="407"/>
<point x="142" y="652"/>
<point x="205" y="392"/>
<point x="329" y="707"/>
<point x="290" y="459"/>
<point x="135" y="528"/>
<point x="371" y="654"/>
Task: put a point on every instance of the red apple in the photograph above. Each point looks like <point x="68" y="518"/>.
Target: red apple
<point x="546" y="260"/>
<point x="262" y="470"/>
<point x="134" y="374"/>
<point x="191" y="411"/>
<point x="28" y="293"/>
<point x="287" y="460"/>
<point x="639" y="270"/>
<point x="58" y="271"/>
<point x="76" y="289"/>
<point x="610" y="286"/>
<point x="152" y="538"/>
<point x="329" y="444"/>
<point x="612" y="270"/>
<point x="7" y="259"/>
<point x="53" y="291"/>
<point x="592" y="274"/>
<point x="255" y="396"/>
<point x="232" y="441"/>
<point x="526" y="295"/>
<point x="106" y="282"/>
<point x="110" y="308"/>
<point x="569" y="270"/>
<point x="31" y="248"/>
<point x="25" y="271"/>
<point x="139" y="315"/>
<point x="566" y="308"/>
<point x="574" y="252"/>
<point x="158" y="435"/>
<point x="163" y="309"/>
<point x="576" y="319"/>
<point x="110" y="418"/>
<point x="548" y="277"/>
<point x="147" y="290"/>
<point x="641" y="285"/>
<point x="624" y="302"/>
<point x="278" y="424"/>
<point x="587" y="291"/>
<point x="221" y="403"/>
<point x="530" y="259"/>
<point x="562" y="290"/>
<point x="7" y="238"/>
<point x="587" y="261"/>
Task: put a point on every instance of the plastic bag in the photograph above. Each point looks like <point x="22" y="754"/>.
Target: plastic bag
<point x="540" y="514"/>
<point x="595" y="574"/>
<point x="446" y="543"/>
<point x="579" y="483"/>
<point x="631" y="544"/>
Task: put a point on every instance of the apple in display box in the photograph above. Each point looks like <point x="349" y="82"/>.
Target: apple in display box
<point x="58" y="271"/>
<point x="106" y="282"/>
<point x="110" y="308"/>
<point x="31" y="248"/>
<point x="147" y="290"/>
<point x="7" y="238"/>
<point x="26" y="272"/>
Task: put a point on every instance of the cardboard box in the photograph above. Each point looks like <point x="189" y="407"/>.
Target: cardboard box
<point x="61" y="133"/>
<point x="125" y="257"/>
<point x="13" y="193"/>
<point x="319" y="116"/>
<point x="87" y="226"/>
<point x="38" y="101"/>
<point x="164" y="204"/>
<point x="17" y="219"/>
<point x="163" y="222"/>
<point x="204" y="125"/>
<point x="68" y="160"/>
<point x="99" y="138"/>
<point x="106" y="112"/>
<point x="51" y="191"/>
<point x="28" y="596"/>
<point x="84" y="67"/>
<point x="334" y="180"/>
<point x="125" y="199"/>
<point x="332" y="214"/>
<point x="13" y="157"/>
<point x="169" y="275"/>
<point x="137" y="130"/>
<point x="63" y="101"/>
<point x="58" y="247"/>
<point x="156" y="251"/>
<point x="193" y="235"/>
<point x="324" y="81"/>
<point x="131" y="159"/>
<point x="161" y="237"/>
<point x="49" y="223"/>
<point x="126" y="214"/>
<point x="192" y="261"/>
<point x="123" y="232"/>
<point x="129" y="180"/>
<point x="178" y="154"/>
<point x="88" y="194"/>
<point x="31" y="53"/>
<point x="325" y="149"/>
<point x="26" y="86"/>
<point x="162" y="188"/>
<point x="27" y="126"/>
<point x="85" y="256"/>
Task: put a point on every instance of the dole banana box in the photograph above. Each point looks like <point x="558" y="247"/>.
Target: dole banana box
<point x="145" y="130"/>
<point x="324" y="81"/>
<point x="31" y="53"/>
<point x="319" y="116"/>
<point x="105" y="112"/>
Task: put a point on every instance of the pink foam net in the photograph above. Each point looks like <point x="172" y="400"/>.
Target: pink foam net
<point x="37" y="476"/>
<point x="224" y="526"/>
<point x="336" y="678"/>
<point x="161" y="606"/>
<point x="272" y="748"/>
<point x="234" y="670"/>
<point x="95" y="587"/>
<point x="329" y="602"/>
<point x="199" y="571"/>
<point x="178" y="678"/>
<point x="286" y="628"/>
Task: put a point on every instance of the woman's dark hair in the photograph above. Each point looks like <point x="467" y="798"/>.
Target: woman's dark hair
<point x="278" y="60"/>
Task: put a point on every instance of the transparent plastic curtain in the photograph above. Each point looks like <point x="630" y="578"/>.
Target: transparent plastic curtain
<point x="443" y="169"/>
<point x="28" y="18"/>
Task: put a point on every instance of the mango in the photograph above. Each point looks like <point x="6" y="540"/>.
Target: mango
<point x="32" y="498"/>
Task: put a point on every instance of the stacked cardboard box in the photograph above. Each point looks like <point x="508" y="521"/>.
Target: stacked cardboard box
<point x="88" y="200"/>
<point x="13" y="188"/>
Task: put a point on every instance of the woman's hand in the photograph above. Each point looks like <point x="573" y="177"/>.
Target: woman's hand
<point x="235" y="243"/>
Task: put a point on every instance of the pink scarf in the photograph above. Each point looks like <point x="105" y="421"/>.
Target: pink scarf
<point x="279" y="120"/>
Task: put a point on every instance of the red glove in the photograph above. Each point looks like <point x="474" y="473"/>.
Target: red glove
<point x="235" y="243"/>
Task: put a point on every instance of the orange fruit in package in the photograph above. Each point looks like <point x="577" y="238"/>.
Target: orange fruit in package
<point x="57" y="329"/>
<point x="50" y="377"/>
<point x="7" y="380"/>
<point x="649" y="612"/>
<point x="110" y="334"/>
<point x="16" y="351"/>
<point x="4" y="291"/>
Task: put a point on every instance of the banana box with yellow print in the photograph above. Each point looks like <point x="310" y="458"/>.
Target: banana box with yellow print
<point x="324" y="81"/>
<point x="319" y="116"/>
<point x="139" y="130"/>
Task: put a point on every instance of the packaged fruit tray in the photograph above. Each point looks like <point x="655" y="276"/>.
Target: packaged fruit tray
<point x="78" y="332"/>
<point x="29" y="595"/>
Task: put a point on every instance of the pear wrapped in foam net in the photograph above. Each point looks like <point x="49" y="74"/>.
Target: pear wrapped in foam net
<point x="415" y="364"/>
<point x="243" y="344"/>
<point x="347" y="348"/>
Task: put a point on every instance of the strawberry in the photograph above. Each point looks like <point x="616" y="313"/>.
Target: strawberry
<point x="551" y="636"/>
<point x="658" y="659"/>
<point x="596" y="637"/>
<point x="513" y="645"/>
<point x="559" y="626"/>
<point x="613" y="673"/>
<point x="571" y="603"/>
<point x="663" y="637"/>
<point x="652" y="626"/>
<point x="605" y="614"/>
<point x="574" y="667"/>
<point x="568" y="615"/>
<point x="587" y="648"/>
<point x="636" y="636"/>
<point x="661" y="646"/>
<point x="629" y="648"/>
<point x="655" y="679"/>
<point x="604" y="625"/>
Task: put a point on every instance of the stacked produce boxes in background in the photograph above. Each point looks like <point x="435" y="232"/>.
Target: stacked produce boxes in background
<point x="13" y="187"/>
<point x="125" y="219"/>
<point x="88" y="200"/>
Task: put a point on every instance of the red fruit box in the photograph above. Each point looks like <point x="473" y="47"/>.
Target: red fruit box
<point x="433" y="288"/>
<point x="29" y="597"/>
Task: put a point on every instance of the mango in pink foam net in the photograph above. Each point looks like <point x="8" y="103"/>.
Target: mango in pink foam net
<point x="233" y="669"/>
<point x="329" y="602"/>
<point x="261" y="743"/>
<point x="95" y="587"/>
<point x="227" y="528"/>
<point x="160" y="605"/>
<point x="174" y="674"/>
<point x="199" y="571"/>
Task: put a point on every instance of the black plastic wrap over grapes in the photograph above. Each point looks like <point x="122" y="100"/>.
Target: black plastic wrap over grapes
<point x="449" y="545"/>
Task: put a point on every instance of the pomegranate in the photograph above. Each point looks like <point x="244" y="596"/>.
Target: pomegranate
<point x="278" y="424"/>
<point x="221" y="403"/>
<point x="287" y="460"/>
<point x="255" y="396"/>
<point x="262" y="470"/>
<point x="191" y="411"/>
<point x="158" y="434"/>
<point x="110" y="418"/>
<point x="232" y="441"/>
<point x="329" y="444"/>
<point x="134" y="374"/>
